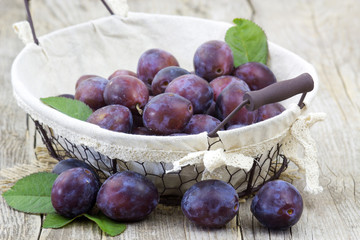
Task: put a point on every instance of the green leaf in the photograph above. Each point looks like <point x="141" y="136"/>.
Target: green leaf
<point x="32" y="194"/>
<point x="107" y="225"/>
<point x="54" y="220"/>
<point x="70" y="107"/>
<point x="247" y="41"/>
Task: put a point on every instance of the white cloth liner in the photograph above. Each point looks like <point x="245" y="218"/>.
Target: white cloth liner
<point x="103" y="45"/>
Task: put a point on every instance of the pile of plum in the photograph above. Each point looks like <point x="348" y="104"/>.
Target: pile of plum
<point x="129" y="196"/>
<point x="162" y="98"/>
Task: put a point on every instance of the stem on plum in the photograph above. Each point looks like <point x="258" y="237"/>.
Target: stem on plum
<point x="140" y="111"/>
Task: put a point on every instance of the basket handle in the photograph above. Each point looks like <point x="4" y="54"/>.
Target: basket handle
<point x="29" y="18"/>
<point x="273" y="93"/>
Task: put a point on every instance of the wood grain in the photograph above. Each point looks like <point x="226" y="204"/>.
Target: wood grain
<point x="326" y="33"/>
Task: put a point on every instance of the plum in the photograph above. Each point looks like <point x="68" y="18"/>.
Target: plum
<point x="210" y="203"/>
<point x="127" y="196"/>
<point x="277" y="205"/>
<point x="151" y="62"/>
<point x="163" y="78"/>
<point x="128" y="91"/>
<point x="269" y="110"/>
<point x="213" y="59"/>
<point x="121" y="72"/>
<point x="167" y="113"/>
<point x="74" y="192"/>
<point x="257" y="75"/>
<point x="218" y="84"/>
<point x="201" y="123"/>
<point x="90" y="91"/>
<point x="69" y="163"/>
<point x="229" y="99"/>
<point x="114" y="117"/>
<point x="195" y="89"/>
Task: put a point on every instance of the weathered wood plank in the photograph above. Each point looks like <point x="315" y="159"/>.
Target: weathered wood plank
<point x="79" y="229"/>
<point x="323" y="32"/>
<point x="17" y="225"/>
<point x="12" y="133"/>
<point x="317" y="33"/>
<point x="13" y="136"/>
<point x="221" y="10"/>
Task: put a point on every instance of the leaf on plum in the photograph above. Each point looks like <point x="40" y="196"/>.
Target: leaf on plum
<point x="71" y="107"/>
<point x="107" y="225"/>
<point x="32" y="194"/>
<point x="54" y="220"/>
<point x="247" y="41"/>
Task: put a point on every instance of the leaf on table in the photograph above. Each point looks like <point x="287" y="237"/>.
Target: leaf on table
<point x="107" y="225"/>
<point x="32" y="194"/>
<point x="71" y="107"/>
<point x="247" y="41"/>
<point x="54" y="220"/>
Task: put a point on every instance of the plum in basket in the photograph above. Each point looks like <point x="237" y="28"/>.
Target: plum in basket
<point x="269" y="110"/>
<point x="90" y="91"/>
<point x="114" y="117"/>
<point x="194" y="88"/>
<point x="167" y="113"/>
<point x="213" y="59"/>
<point x="256" y="75"/>
<point x="201" y="123"/>
<point x="128" y="91"/>
<point x="229" y="99"/>
<point x="163" y="78"/>
<point x="121" y="72"/>
<point x="151" y="62"/>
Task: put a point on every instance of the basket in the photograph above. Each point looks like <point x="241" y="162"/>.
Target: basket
<point x="245" y="157"/>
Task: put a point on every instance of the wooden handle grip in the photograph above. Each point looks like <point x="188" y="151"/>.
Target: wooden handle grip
<point x="279" y="91"/>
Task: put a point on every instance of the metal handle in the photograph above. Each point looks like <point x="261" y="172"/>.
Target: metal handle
<point x="29" y="18"/>
<point x="273" y="93"/>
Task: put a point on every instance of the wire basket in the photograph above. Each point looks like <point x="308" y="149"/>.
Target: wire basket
<point x="109" y="153"/>
<point x="171" y="186"/>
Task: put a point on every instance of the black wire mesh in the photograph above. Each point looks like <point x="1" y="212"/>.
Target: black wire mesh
<point x="171" y="186"/>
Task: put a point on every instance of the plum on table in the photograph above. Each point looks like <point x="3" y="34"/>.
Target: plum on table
<point x="277" y="205"/>
<point x="74" y="192"/>
<point x="127" y="196"/>
<point x="210" y="203"/>
<point x="69" y="163"/>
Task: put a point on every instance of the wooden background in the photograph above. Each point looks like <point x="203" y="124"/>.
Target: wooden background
<point x="326" y="33"/>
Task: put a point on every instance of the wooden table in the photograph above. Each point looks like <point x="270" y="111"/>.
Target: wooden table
<point x="326" y="33"/>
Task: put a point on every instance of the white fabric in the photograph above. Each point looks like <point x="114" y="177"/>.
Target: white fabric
<point x="300" y="134"/>
<point x="23" y="31"/>
<point x="119" y="7"/>
<point x="104" y="45"/>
